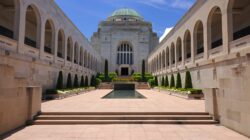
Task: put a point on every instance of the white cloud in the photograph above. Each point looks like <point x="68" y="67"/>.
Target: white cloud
<point x="167" y="30"/>
<point x="182" y="4"/>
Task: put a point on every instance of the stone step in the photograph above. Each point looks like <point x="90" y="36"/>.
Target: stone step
<point x="124" y="117"/>
<point x="82" y="122"/>
<point x="124" y="113"/>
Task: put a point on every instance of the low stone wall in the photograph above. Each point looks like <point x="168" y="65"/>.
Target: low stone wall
<point x="18" y="103"/>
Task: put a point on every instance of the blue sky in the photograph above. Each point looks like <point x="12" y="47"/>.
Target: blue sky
<point x="86" y="14"/>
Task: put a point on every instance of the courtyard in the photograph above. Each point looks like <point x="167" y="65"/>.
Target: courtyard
<point x="93" y="102"/>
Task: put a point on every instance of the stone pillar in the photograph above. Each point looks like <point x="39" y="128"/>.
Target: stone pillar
<point x="41" y="37"/>
<point x="65" y="49"/>
<point x="207" y="39"/>
<point x="21" y="29"/>
<point x="55" y="44"/>
<point x="211" y="102"/>
<point x="192" y="48"/>
<point x="227" y="29"/>
<point x="183" y="53"/>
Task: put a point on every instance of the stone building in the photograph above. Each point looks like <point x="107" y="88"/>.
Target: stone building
<point x="212" y="41"/>
<point x="38" y="41"/>
<point x="124" y="39"/>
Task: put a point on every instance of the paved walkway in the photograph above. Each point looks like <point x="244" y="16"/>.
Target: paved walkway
<point x="127" y="132"/>
<point x="154" y="102"/>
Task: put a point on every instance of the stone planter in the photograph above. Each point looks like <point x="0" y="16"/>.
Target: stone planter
<point x="180" y="94"/>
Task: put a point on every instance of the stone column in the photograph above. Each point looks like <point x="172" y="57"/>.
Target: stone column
<point x="227" y="29"/>
<point x="55" y="44"/>
<point x="183" y="52"/>
<point x="21" y="29"/>
<point x="41" y="37"/>
<point x="65" y="49"/>
<point x="206" y="37"/>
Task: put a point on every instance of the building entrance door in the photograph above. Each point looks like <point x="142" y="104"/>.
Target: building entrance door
<point x="124" y="71"/>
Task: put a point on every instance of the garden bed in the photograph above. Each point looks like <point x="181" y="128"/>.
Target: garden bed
<point x="183" y="93"/>
<point x="60" y="94"/>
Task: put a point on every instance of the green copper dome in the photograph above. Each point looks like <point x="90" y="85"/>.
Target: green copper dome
<point x="126" y="12"/>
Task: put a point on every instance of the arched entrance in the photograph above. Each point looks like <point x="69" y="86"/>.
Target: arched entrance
<point x="125" y="59"/>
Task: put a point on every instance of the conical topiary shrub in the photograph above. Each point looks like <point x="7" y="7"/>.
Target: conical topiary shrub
<point x="86" y="84"/>
<point x="60" y="81"/>
<point x="156" y="81"/>
<point x="82" y="81"/>
<point x="69" y="81"/>
<point x="172" y="83"/>
<point x="143" y="71"/>
<point x="162" y="81"/>
<point x="92" y="81"/>
<point x="178" y="81"/>
<point x="106" y="71"/>
<point x="188" y="80"/>
<point x="76" y="84"/>
<point x="166" y="81"/>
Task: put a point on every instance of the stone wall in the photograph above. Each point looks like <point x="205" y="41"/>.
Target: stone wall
<point x="18" y="103"/>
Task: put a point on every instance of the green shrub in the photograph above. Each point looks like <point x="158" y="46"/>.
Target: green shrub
<point x="76" y="84"/>
<point x="51" y="91"/>
<point x="143" y="78"/>
<point x="69" y="81"/>
<point x="60" y="81"/>
<point x="166" y="81"/>
<point x="106" y="71"/>
<point x="162" y="81"/>
<point x="82" y="81"/>
<point x="112" y="75"/>
<point x="93" y="81"/>
<point x="98" y="82"/>
<point x="86" y="84"/>
<point x="188" y="81"/>
<point x="178" y="81"/>
<point x="151" y="82"/>
<point x="172" y="82"/>
<point x="156" y="81"/>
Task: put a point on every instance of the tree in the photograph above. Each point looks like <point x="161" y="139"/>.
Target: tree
<point x="188" y="80"/>
<point x="143" y="71"/>
<point x="162" y="81"/>
<point x="178" y="81"/>
<point x="82" y="81"/>
<point x="172" y="83"/>
<point x="93" y="81"/>
<point x="86" y="84"/>
<point x="106" y="71"/>
<point x="60" y="81"/>
<point x="166" y="81"/>
<point x="69" y="81"/>
<point x="76" y="84"/>
<point x="156" y="81"/>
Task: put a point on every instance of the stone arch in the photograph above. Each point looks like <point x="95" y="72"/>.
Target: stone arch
<point x="69" y="49"/>
<point x="81" y="56"/>
<point x="239" y="11"/>
<point x="187" y="44"/>
<point x="172" y="53"/>
<point x="32" y="26"/>
<point x="61" y="44"/>
<point x="167" y="56"/>
<point x="179" y="49"/>
<point x="76" y="53"/>
<point x="163" y="59"/>
<point x="199" y="38"/>
<point x="215" y="28"/>
<point x="9" y="21"/>
<point x="49" y="36"/>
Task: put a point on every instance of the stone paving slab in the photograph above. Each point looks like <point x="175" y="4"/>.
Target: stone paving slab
<point x="126" y="132"/>
<point x="155" y="102"/>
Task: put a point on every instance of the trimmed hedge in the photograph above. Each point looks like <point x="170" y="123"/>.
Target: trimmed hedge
<point x="178" y="81"/>
<point x="166" y="82"/>
<point x="76" y="84"/>
<point x="143" y="78"/>
<point x="188" y="81"/>
<point x="151" y="82"/>
<point x="106" y="71"/>
<point x="172" y="82"/>
<point x="60" y="81"/>
<point x="156" y="81"/>
<point x="69" y="81"/>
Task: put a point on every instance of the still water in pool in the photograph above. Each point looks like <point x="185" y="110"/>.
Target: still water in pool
<point x="124" y="94"/>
